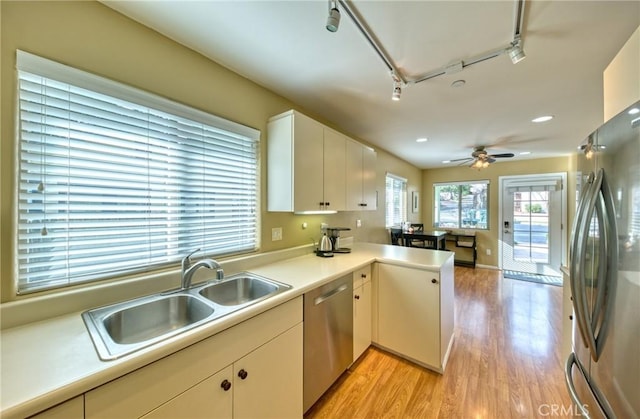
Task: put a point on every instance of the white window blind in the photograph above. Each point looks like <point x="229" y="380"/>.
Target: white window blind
<point x="109" y="187"/>
<point x="396" y="200"/>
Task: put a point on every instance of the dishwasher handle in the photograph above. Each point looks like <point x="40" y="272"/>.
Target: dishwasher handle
<point x="325" y="297"/>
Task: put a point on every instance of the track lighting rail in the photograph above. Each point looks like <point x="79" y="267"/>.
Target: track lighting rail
<point x="514" y="49"/>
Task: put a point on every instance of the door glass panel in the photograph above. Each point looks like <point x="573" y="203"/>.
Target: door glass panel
<point x="531" y="226"/>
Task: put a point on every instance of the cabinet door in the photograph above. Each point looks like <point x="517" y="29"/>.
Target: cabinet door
<point x="272" y="383"/>
<point x="353" y="179"/>
<point x="409" y="313"/>
<point x="71" y="409"/>
<point x="334" y="151"/>
<point x="361" y="319"/>
<point x="369" y="195"/>
<point x="207" y="399"/>
<point x="308" y="164"/>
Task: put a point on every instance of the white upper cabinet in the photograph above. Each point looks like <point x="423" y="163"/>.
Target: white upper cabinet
<point x="305" y="165"/>
<point x="361" y="177"/>
<point x="311" y="167"/>
<point x="621" y="78"/>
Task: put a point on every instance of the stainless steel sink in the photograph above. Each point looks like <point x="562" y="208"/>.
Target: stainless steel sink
<point x="122" y="328"/>
<point x="157" y="317"/>
<point x="239" y="290"/>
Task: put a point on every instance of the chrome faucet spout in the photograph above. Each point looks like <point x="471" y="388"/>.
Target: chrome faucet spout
<point x="188" y="270"/>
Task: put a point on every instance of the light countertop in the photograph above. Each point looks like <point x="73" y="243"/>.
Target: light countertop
<point x="50" y="361"/>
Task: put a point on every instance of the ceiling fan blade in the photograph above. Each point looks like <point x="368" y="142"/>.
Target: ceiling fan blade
<point x="464" y="159"/>
<point x="502" y="155"/>
<point x="490" y="159"/>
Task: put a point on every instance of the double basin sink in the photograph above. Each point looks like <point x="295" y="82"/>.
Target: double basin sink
<point x="122" y="328"/>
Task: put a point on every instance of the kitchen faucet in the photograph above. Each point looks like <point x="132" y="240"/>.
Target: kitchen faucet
<point x="188" y="270"/>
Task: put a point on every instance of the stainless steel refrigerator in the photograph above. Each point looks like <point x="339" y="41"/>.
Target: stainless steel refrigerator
<point x="603" y="371"/>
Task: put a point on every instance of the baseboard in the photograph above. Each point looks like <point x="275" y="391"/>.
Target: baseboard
<point x="495" y="268"/>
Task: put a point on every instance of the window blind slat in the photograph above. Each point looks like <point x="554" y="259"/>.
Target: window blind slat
<point x="110" y="187"/>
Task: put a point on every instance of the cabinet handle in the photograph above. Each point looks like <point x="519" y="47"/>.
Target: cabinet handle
<point x="327" y="203"/>
<point x="434" y="281"/>
<point x="363" y="275"/>
<point x="357" y="297"/>
<point x="321" y="204"/>
<point x="226" y="385"/>
<point x="242" y="374"/>
<point x="571" y="317"/>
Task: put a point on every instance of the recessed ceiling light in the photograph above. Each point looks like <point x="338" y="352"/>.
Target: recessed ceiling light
<point x="524" y="153"/>
<point x="422" y="140"/>
<point x="544" y="118"/>
<point x="458" y="83"/>
<point x="633" y="111"/>
<point x="446" y="161"/>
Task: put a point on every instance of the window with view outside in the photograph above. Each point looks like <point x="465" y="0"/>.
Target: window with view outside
<point x="461" y="205"/>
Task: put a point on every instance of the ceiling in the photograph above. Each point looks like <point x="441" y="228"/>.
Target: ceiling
<point x="284" y="46"/>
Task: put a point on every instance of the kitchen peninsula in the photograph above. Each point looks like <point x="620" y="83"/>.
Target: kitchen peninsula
<point x="53" y="361"/>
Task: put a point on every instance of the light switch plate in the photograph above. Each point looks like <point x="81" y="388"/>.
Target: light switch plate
<point x="276" y="234"/>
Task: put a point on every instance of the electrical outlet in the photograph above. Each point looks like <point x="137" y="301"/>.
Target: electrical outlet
<point x="358" y="223"/>
<point x="276" y="233"/>
<point x="488" y="252"/>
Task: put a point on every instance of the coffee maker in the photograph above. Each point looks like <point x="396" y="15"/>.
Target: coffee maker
<point x="334" y="236"/>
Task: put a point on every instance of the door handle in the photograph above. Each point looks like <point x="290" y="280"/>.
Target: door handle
<point x="571" y="386"/>
<point x="325" y="297"/>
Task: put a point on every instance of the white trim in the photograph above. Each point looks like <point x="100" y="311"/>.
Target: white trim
<point x="563" y="193"/>
<point x="396" y="177"/>
<point x="54" y="70"/>
<point x="467" y="182"/>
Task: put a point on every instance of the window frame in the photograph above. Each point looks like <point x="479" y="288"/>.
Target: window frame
<point x="403" y="210"/>
<point x="460" y="209"/>
<point x="41" y="67"/>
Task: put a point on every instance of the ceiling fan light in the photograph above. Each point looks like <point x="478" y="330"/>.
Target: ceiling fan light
<point x="516" y="53"/>
<point x="333" y="20"/>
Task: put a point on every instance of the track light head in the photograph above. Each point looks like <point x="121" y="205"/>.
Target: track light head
<point x="333" y="20"/>
<point x="516" y="53"/>
<point x="397" y="87"/>
<point x="397" y="91"/>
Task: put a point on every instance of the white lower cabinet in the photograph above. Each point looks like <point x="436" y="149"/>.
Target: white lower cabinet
<point x="261" y="384"/>
<point x="361" y="311"/>
<point x="415" y="313"/>
<point x="272" y="387"/>
<point x="266" y="350"/>
<point x="211" y="398"/>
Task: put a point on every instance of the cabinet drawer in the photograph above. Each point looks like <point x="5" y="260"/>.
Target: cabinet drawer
<point x="361" y="276"/>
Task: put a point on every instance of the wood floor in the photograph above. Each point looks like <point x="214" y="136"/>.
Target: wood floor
<point x="505" y="361"/>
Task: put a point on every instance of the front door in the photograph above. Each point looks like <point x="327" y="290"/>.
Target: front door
<point x="531" y="224"/>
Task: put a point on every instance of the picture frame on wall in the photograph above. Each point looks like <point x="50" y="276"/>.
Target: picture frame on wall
<point x="415" y="201"/>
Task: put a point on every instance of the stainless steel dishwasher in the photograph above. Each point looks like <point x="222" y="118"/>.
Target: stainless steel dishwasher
<point x="328" y="336"/>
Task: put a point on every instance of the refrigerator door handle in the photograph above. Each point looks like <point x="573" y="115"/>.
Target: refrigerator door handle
<point x="577" y="277"/>
<point x="608" y="273"/>
<point x="571" y="361"/>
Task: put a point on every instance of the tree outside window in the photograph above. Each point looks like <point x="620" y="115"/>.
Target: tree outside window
<point x="461" y="205"/>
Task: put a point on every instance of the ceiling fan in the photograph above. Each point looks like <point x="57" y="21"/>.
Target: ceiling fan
<point x="481" y="158"/>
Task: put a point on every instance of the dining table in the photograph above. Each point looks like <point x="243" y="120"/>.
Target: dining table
<point x="434" y="239"/>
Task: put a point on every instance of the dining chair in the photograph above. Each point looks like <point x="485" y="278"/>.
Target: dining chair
<point x="418" y="228"/>
<point x="396" y="236"/>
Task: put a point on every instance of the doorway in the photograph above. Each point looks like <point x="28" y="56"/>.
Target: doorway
<point x="532" y="219"/>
